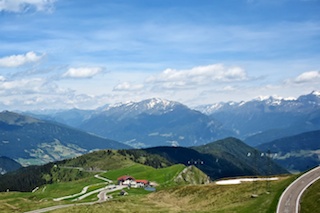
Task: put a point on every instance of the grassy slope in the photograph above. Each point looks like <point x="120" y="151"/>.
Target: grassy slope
<point x="236" y="152"/>
<point x="162" y="176"/>
<point x="311" y="199"/>
<point x="101" y="160"/>
<point x="196" y="198"/>
<point x="23" y="201"/>
<point x="19" y="202"/>
<point x="170" y="197"/>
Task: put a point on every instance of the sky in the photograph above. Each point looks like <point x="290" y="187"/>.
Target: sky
<point x="61" y="54"/>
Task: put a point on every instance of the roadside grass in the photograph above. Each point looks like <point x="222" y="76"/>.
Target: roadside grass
<point x="223" y="198"/>
<point x="23" y="201"/>
<point x="124" y="204"/>
<point x="310" y="202"/>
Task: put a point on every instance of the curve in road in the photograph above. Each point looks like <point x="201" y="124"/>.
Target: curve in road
<point x="289" y="201"/>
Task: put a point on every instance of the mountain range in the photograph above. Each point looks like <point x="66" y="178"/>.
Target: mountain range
<point x="35" y="138"/>
<point x="267" y="118"/>
<point x="32" y="141"/>
<point x="158" y="122"/>
<point x="152" y="122"/>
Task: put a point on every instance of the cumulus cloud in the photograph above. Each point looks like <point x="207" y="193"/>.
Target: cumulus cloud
<point x="201" y="75"/>
<point x="82" y="72"/>
<point x="19" y="60"/>
<point x="307" y="77"/>
<point x="126" y="86"/>
<point x="25" y="5"/>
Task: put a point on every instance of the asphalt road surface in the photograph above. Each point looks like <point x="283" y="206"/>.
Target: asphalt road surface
<point x="289" y="201"/>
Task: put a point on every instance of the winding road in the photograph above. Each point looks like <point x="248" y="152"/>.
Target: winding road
<point x="289" y="201"/>
<point x="102" y="197"/>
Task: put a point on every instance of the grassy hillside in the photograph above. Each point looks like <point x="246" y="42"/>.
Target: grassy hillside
<point x="311" y="199"/>
<point x="174" y="193"/>
<point x="178" y="190"/>
<point x="26" y="179"/>
<point x="43" y="197"/>
<point x="195" y="198"/>
<point x="164" y="177"/>
<point x="224" y="158"/>
<point x="117" y="163"/>
<point x="244" y="158"/>
<point x="215" y="167"/>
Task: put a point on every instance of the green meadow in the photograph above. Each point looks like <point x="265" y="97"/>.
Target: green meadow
<point x="171" y="196"/>
<point x="195" y="198"/>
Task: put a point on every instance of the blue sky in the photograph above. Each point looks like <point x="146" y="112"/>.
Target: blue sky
<point x="85" y="54"/>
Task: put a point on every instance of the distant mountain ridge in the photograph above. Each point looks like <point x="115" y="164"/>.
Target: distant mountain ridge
<point x="8" y="165"/>
<point x="154" y="122"/>
<point x="303" y="102"/>
<point x="265" y="119"/>
<point x="148" y="106"/>
<point x="159" y="122"/>
<point x="228" y="157"/>
<point x="297" y="153"/>
<point x="33" y="141"/>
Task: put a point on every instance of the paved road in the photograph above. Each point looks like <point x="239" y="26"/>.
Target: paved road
<point x="289" y="201"/>
<point x="102" y="198"/>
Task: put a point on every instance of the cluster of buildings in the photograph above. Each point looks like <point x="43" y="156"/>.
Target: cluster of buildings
<point x="130" y="181"/>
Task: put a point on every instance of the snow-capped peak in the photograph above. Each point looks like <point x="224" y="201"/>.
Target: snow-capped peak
<point x="316" y="93"/>
<point x="290" y="99"/>
<point x="266" y="98"/>
<point x="149" y="106"/>
<point x="151" y="103"/>
<point x="271" y="100"/>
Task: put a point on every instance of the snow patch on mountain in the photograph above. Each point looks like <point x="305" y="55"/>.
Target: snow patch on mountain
<point x="149" y="106"/>
<point x="270" y="100"/>
<point x="281" y="103"/>
<point x="316" y="93"/>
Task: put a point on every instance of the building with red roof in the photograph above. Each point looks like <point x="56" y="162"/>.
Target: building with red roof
<point x="132" y="182"/>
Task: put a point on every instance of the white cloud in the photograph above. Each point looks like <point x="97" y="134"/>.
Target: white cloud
<point x="24" y="5"/>
<point x="307" y="77"/>
<point x="2" y="78"/>
<point x="126" y="86"/>
<point x="201" y="75"/>
<point x="82" y="72"/>
<point x="22" y="86"/>
<point x="19" y="60"/>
